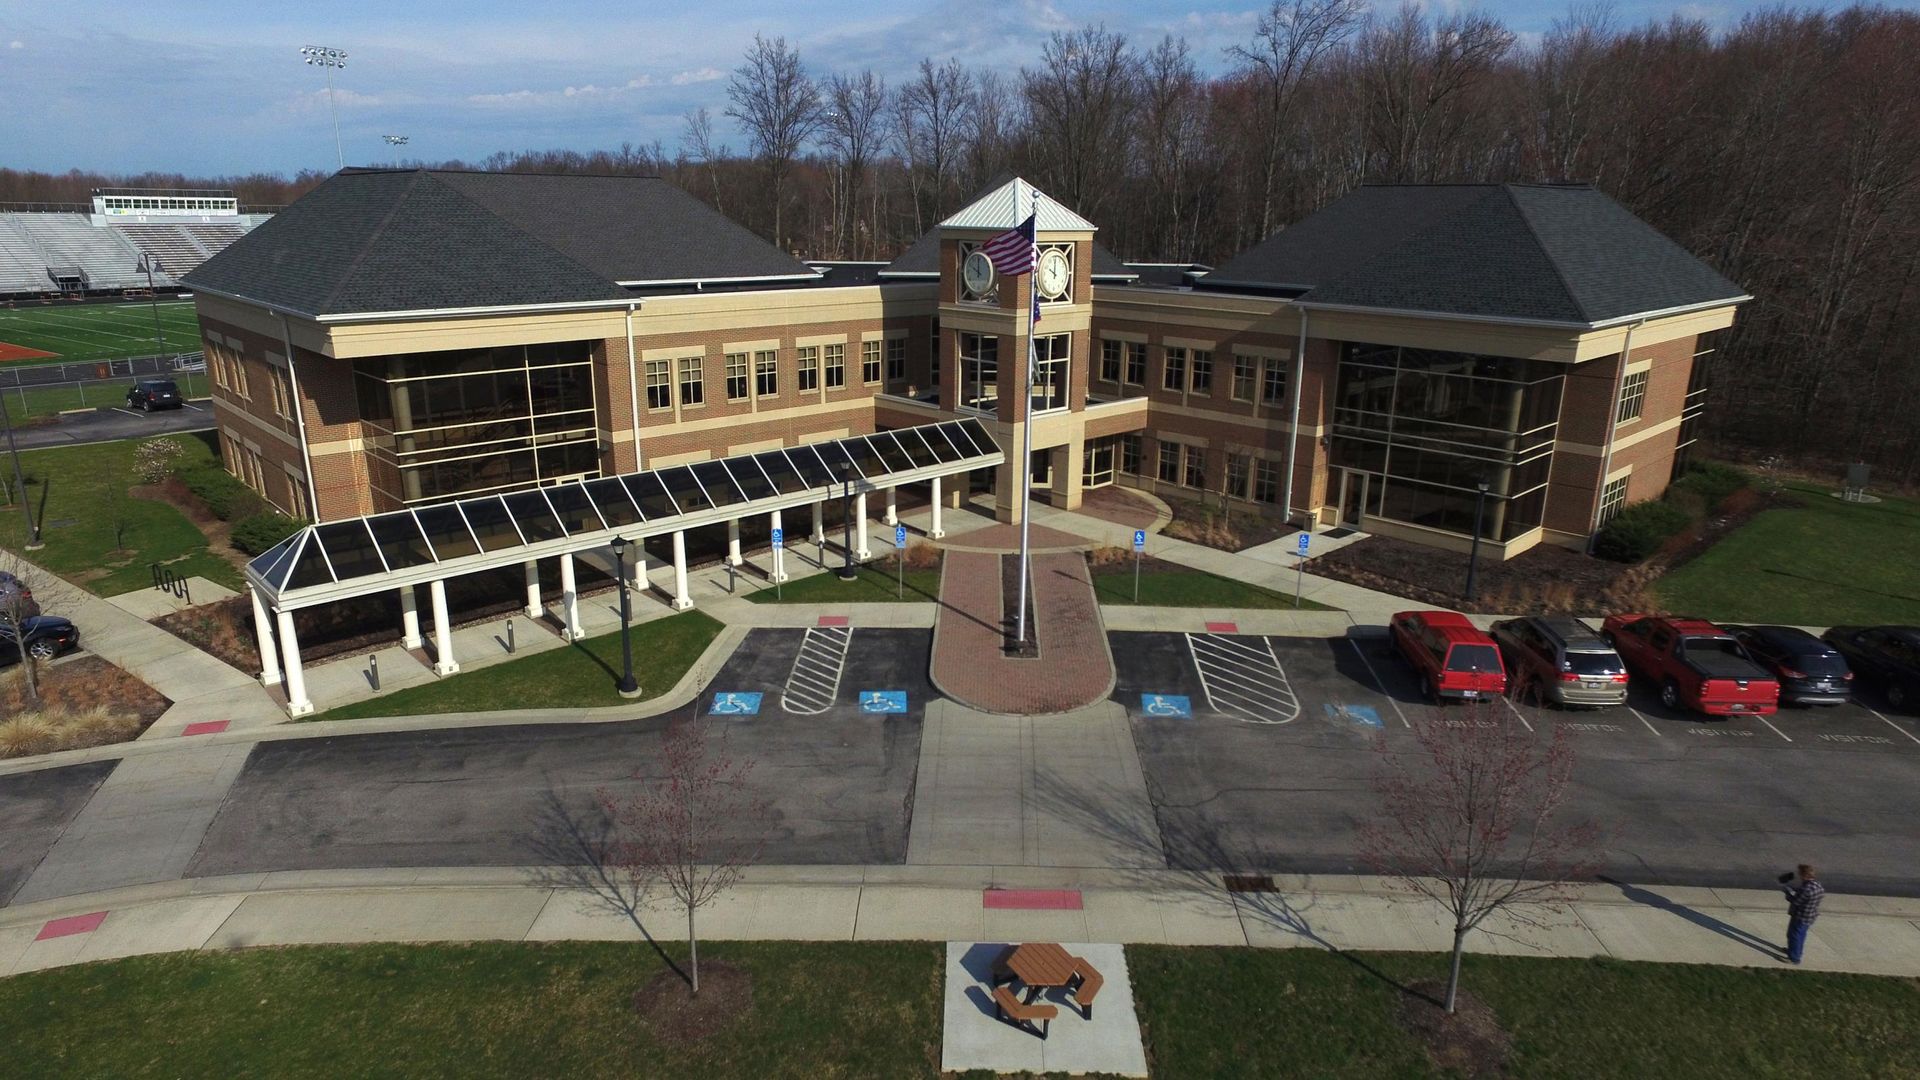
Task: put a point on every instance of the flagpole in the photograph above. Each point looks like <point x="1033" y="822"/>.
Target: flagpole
<point x="1026" y="435"/>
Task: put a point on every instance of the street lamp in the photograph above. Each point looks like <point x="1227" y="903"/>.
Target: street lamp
<point x="1473" y="553"/>
<point x="626" y="686"/>
<point x="329" y="58"/>
<point x="847" y="572"/>
<point x="395" y="141"/>
<point x="150" y="265"/>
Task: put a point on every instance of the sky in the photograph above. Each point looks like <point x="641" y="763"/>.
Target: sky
<point x="220" y="89"/>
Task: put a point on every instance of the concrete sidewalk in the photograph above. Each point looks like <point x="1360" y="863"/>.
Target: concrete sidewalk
<point x="1871" y="935"/>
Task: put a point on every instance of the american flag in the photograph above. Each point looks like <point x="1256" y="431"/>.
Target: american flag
<point x="1013" y="252"/>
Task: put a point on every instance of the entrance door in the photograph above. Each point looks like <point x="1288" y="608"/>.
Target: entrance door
<point x="1040" y="469"/>
<point x="1353" y="496"/>
<point x="1098" y="471"/>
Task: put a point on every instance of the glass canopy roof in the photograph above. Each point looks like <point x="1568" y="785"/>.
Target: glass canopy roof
<point x="341" y="552"/>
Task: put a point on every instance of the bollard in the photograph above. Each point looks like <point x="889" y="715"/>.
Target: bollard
<point x="373" y="672"/>
<point x="509" y="633"/>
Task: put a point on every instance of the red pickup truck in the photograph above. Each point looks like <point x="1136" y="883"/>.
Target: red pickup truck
<point x="1695" y="664"/>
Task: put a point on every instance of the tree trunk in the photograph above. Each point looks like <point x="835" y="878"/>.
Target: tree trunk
<point x="1453" y="974"/>
<point x="693" y="952"/>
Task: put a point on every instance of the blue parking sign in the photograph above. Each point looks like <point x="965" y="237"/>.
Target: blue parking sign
<point x="736" y="703"/>
<point x="899" y="536"/>
<point x="1139" y="539"/>
<point x="779" y="537"/>
<point x="1304" y="537"/>
<point x="883" y="701"/>
<point x="1178" y="706"/>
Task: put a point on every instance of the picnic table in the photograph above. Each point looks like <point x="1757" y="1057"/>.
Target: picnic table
<point x="1040" y="965"/>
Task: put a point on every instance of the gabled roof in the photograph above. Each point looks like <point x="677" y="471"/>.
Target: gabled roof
<point x="386" y="241"/>
<point x="1558" y="253"/>
<point x="1010" y="203"/>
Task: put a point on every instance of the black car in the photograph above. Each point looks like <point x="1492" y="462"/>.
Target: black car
<point x="47" y="636"/>
<point x="1811" y="672"/>
<point x="151" y="394"/>
<point x="1887" y="656"/>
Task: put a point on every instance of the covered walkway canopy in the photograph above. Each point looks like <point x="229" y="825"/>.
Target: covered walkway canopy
<point x="342" y="560"/>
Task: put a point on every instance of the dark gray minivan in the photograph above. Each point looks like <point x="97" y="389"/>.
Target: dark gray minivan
<point x="1558" y="660"/>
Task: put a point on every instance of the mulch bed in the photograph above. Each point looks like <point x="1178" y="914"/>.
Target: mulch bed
<point x="672" y="1013"/>
<point x="87" y="682"/>
<point x="1545" y="579"/>
<point x="1468" y="1042"/>
<point x="1208" y="526"/>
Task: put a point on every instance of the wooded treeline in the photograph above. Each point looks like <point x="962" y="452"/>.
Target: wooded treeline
<point x="1785" y="151"/>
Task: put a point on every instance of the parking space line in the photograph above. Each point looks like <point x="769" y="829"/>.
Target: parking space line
<point x="814" y="680"/>
<point x="129" y="412"/>
<point x="1894" y="726"/>
<point x="1242" y="681"/>
<point x="1515" y="710"/>
<point x="1642" y="719"/>
<point x="1771" y="728"/>
<point x="1362" y="654"/>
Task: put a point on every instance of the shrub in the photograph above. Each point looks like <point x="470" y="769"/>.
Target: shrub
<point x="225" y="497"/>
<point x="1713" y="482"/>
<point x="26" y="734"/>
<point x="258" y="532"/>
<point x="1638" y="531"/>
<point x="156" y="459"/>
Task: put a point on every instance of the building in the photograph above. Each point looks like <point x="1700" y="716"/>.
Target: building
<point x="1406" y="359"/>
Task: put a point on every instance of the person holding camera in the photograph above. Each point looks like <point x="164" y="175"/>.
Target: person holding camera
<point x="1803" y="893"/>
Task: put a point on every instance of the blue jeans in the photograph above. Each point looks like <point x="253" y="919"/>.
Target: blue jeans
<point x="1797" y="937"/>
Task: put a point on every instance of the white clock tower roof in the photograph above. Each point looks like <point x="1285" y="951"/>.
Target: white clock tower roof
<point x="1009" y="204"/>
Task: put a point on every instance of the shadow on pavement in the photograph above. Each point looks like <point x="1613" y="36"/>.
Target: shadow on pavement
<point x="574" y="848"/>
<point x="1698" y="918"/>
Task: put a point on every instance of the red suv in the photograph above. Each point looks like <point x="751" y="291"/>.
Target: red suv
<point x="1451" y="656"/>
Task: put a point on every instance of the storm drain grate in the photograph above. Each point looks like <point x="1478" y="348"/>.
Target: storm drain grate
<point x="1250" y="883"/>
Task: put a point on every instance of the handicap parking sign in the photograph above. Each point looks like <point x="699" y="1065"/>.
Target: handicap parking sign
<point x="883" y="701"/>
<point x="735" y="703"/>
<point x="779" y="537"/>
<point x="899" y="536"/>
<point x="1139" y="539"/>
<point x="1304" y="537"/>
<point x="1173" y="705"/>
<point x="1364" y="715"/>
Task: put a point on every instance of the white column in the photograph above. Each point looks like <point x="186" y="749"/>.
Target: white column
<point x="681" y="601"/>
<point x="733" y="543"/>
<point x="936" y="532"/>
<point x="779" y="553"/>
<point x="819" y="529"/>
<point x="569" y="600"/>
<point x="409" y="618"/>
<point x="443" y="662"/>
<point x="893" y="507"/>
<point x="535" y="608"/>
<point x="263" y="631"/>
<point x="860" y="549"/>
<point x="297" y="703"/>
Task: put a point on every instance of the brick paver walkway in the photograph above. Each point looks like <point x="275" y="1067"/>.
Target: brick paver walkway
<point x="1074" y="667"/>
<point x="1007" y="538"/>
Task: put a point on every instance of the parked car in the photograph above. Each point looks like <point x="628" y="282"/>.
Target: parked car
<point x="1887" y="656"/>
<point x="47" y="636"/>
<point x="1811" y="672"/>
<point x="12" y="588"/>
<point x="1558" y="659"/>
<point x="1452" y="657"/>
<point x="1695" y="664"/>
<point x="150" y="394"/>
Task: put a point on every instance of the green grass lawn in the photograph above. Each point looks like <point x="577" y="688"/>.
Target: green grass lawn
<point x="581" y="675"/>
<point x="85" y="332"/>
<point x="875" y="584"/>
<point x="873" y="1010"/>
<point x="31" y="401"/>
<point x="1168" y="585"/>
<point x="1823" y="563"/>
<point x="85" y="490"/>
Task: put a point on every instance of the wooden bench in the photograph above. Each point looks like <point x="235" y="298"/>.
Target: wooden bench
<point x="1087" y="987"/>
<point x="1008" y="1007"/>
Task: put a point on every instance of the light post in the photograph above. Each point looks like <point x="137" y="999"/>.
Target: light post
<point x="847" y="572"/>
<point x="150" y="265"/>
<point x="329" y="58"/>
<point x="627" y="687"/>
<point x="395" y="141"/>
<point x="1473" y="552"/>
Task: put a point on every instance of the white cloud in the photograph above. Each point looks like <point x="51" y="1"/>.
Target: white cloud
<point x="705" y="74"/>
<point x="16" y="44"/>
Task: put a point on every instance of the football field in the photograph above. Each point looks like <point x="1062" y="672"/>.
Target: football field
<point x="69" y="332"/>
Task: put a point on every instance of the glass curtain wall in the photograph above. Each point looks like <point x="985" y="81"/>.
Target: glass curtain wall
<point x="1429" y="426"/>
<point x="979" y="371"/>
<point x="1052" y="359"/>
<point x="475" y="420"/>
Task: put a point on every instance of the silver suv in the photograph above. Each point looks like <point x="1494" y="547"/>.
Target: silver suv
<point x="1557" y="659"/>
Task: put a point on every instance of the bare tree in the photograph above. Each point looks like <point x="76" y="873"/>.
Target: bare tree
<point x="691" y="829"/>
<point x="1288" y="42"/>
<point x="930" y="124"/>
<point x="1081" y="101"/>
<point x="779" y="106"/>
<point x="1416" y="77"/>
<point x="696" y="143"/>
<point x="852" y="132"/>
<point x="1469" y="821"/>
<point x="26" y="591"/>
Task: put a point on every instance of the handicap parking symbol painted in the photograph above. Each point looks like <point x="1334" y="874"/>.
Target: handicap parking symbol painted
<point x="1175" y="705"/>
<point x="735" y="704"/>
<point x="1364" y="715"/>
<point x="883" y="701"/>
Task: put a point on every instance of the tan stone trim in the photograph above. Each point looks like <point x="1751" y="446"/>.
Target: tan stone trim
<point x="661" y="461"/>
<point x="342" y="446"/>
<point x="750" y="347"/>
<point x="672" y="352"/>
<point x="1190" y="344"/>
<point x="1622" y="471"/>
<point x="1123" y="335"/>
<point x="826" y="436"/>
<point x="1637" y="366"/>
<point x="223" y="416"/>
<point x="1645" y="433"/>
<point x="821" y="340"/>
<point x="759" y="447"/>
<point x="806" y="408"/>
<point x="1263" y="352"/>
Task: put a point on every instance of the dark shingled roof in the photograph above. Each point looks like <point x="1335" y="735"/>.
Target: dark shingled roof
<point x="1556" y="253"/>
<point x="368" y="241"/>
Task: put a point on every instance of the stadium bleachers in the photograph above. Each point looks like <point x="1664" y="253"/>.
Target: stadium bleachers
<point x="51" y="251"/>
<point x="178" y="249"/>
<point x="105" y="257"/>
<point x="23" y="266"/>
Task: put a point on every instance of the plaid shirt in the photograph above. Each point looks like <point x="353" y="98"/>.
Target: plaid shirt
<point x="1803" y="899"/>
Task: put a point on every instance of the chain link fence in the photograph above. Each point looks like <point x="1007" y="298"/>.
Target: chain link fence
<point x="56" y="388"/>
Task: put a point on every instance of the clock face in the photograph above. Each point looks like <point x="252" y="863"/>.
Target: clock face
<point x="977" y="273"/>
<point x="1055" y="274"/>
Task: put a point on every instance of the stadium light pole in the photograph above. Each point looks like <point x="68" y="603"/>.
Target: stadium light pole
<point x="150" y="265"/>
<point x="20" y="480"/>
<point x="395" y="141"/>
<point x="329" y="58"/>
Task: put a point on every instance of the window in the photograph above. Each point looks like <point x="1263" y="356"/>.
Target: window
<point x="659" y="385"/>
<point x="1266" y="481"/>
<point x="1051" y="360"/>
<point x="979" y="371"/>
<point x="1612" y="498"/>
<point x="1173" y="370"/>
<point x="219" y="364"/>
<point x="1273" y="381"/>
<point x="766" y="373"/>
<point x="933" y="354"/>
<point x="1243" y="378"/>
<point x="1170" y="461"/>
<point x="240" y="378"/>
<point x="736" y="376"/>
<point x="1137" y="363"/>
<point x="1633" y="396"/>
<point x="1130" y="454"/>
<point x="1202" y="372"/>
<point x="1196" y="472"/>
<point x="836" y="366"/>
<point x="896" y="359"/>
<point x="1237" y="475"/>
<point x="692" y="392"/>
<point x="869" y="362"/>
<point x="281" y="406"/>
<point x="809" y="366"/>
<point x="1109" y="360"/>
